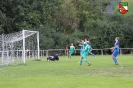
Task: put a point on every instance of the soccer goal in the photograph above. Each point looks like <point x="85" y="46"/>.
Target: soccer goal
<point x="19" y="45"/>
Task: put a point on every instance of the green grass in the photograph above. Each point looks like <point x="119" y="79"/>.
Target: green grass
<point x="67" y="73"/>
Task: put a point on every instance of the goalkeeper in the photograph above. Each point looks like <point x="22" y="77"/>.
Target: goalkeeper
<point x="53" y="58"/>
<point x="85" y="54"/>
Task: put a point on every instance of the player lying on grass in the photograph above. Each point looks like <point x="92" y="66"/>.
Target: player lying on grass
<point x="53" y="58"/>
<point x="115" y="50"/>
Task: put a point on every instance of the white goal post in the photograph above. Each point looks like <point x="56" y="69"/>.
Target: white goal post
<point x="19" y="45"/>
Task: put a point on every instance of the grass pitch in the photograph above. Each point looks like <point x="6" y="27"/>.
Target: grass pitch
<point x="67" y="73"/>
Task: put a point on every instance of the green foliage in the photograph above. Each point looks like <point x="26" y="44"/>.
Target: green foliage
<point x="61" y="22"/>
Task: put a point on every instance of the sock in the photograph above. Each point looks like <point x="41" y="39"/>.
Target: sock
<point x="80" y="62"/>
<point x="87" y="61"/>
<point x="115" y="60"/>
<point x="69" y="56"/>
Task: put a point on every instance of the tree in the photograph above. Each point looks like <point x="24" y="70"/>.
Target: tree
<point x="66" y="16"/>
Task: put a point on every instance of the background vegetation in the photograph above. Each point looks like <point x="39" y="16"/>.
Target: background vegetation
<point x="61" y="22"/>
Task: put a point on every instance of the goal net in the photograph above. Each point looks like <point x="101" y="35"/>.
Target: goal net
<point x="20" y="45"/>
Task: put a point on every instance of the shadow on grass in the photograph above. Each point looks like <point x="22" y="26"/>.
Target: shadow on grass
<point x="36" y="60"/>
<point x="17" y="64"/>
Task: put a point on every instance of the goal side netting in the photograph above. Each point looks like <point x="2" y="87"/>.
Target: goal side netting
<point x="20" y="45"/>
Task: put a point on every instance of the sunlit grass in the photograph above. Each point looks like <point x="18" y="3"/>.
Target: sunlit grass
<point x="67" y="73"/>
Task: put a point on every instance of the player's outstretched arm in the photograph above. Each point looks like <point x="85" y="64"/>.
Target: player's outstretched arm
<point x="112" y="49"/>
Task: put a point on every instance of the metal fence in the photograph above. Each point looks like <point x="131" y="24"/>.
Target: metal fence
<point x="64" y="52"/>
<point x="14" y="55"/>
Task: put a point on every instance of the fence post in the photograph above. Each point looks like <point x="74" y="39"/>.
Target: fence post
<point x="65" y="52"/>
<point x="2" y="48"/>
<point x="29" y="54"/>
<point x="17" y="54"/>
<point x="46" y="53"/>
<point x="120" y="52"/>
<point x="42" y="53"/>
<point x="102" y="52"/>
